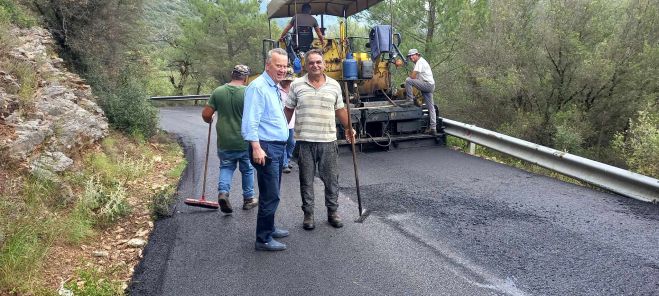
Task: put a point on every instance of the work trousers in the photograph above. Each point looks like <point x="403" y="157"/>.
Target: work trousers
<point x="269" y="180"/>
<point x="426" y="90"/>
<point x="323" y="156"/>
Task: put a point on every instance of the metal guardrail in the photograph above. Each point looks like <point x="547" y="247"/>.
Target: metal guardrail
<point x="621" y="181"/>
<point x="181" y="98"/>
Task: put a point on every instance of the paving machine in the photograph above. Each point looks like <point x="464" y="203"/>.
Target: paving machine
<point x="363" y="65"/>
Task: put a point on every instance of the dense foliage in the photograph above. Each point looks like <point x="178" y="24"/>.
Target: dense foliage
<point x="200" y="51"/>
<point x="104" y="41"/>
<point x="569" y="74"/>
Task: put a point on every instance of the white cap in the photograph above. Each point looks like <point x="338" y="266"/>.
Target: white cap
<point x="412" y="51"/>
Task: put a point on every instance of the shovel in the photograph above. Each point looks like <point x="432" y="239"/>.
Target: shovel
<point x="363" y="213"/>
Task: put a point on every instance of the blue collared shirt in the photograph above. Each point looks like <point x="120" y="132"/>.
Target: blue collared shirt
<point x="263" y="115"/>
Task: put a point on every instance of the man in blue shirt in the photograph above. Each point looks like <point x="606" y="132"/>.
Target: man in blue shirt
<point x="265" y="127"/>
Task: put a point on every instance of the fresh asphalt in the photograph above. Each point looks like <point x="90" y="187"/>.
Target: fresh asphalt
<point x="442" y="223"/>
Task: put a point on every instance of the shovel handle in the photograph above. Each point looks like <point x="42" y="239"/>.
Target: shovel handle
<point x="352" y="145"/>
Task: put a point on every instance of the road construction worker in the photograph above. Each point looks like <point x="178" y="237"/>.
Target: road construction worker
<point x="227" y="101"/>
<point x="317" y="100"/>
<point x="421" y="78"/>
<point x="303" y="23"/>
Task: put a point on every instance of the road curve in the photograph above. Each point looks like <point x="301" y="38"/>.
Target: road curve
<point x="443" y="223"/>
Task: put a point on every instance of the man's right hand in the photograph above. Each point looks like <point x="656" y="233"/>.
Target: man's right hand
<point x="207" y="114"/>
<point x="258" y="155"/>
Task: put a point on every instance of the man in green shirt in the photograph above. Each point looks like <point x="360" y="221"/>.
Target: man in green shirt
<point x="228" y="100"/>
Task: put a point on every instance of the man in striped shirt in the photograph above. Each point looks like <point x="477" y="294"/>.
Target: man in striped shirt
<point x="317" y="100"/>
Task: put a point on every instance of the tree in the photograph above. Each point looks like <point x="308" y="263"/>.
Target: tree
<point x="222" y="33"/>
<point x="103" y="40"/>
<point x="561" y="73"/>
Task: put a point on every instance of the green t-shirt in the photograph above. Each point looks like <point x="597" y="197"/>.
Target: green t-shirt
<point x="228" y="101"/>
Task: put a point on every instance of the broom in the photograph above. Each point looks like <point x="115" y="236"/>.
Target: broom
<point x="202" y="202"/>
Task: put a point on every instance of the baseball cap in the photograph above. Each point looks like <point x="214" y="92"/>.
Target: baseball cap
<point x="289" y="74"/>
<point x="241" y="70"/>
<point x="412" y="51"/>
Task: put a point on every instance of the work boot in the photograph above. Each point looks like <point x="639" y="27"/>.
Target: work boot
<point x="418" y="101"/>
<point x="307" y="223"/>
<point x="431" y="131"/>
<point x="250" y="203"/>
<point x="225" y="205"/>
<point x="334" y="219"/>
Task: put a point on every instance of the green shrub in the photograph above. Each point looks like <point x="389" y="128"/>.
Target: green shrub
<point x="10" y="11"/>
<point x="162" y="201"/>
<point x="27" y="76"/>
<point x="127" y="107"/>
<point x="79" y="224"/>
<point x="570" y="130"/>
<point x="527" y="126"/>
<point x="456" y="143"/>
<point x="177" y="171"/>
<point x="105" y="203"/>
<point x="21" y="254"/>
<point x="92" y="282"/>
<point x="639" y="144"/>
<point x="117" y="169"/>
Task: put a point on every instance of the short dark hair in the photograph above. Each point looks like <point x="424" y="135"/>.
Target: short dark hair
<point x="310" y="52"/>
<point x="306" y="8"/>
<point x="237" y="76"/>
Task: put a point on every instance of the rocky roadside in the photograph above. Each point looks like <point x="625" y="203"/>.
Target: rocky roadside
<point x="48" y="131"/>
<point x="116" y="250"/>
<point x="44" y="130"/>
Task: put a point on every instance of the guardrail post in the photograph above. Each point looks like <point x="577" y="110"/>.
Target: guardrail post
<point x="472" y="148"/>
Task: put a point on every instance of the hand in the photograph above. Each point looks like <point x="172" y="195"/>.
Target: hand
<point x="258" y="156"/>
<point x="207" y="119"/>
<point x="281" y="38"/>
<point x="207" y="114"/>
<point x="350" y="135"/>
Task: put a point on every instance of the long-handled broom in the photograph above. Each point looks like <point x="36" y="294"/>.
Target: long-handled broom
<point x="202" y="202"/>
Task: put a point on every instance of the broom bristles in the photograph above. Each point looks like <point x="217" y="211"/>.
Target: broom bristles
<point x="201" y="203"/>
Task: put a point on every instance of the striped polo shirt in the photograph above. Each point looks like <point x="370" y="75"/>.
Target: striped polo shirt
<point x="315" y="109"/>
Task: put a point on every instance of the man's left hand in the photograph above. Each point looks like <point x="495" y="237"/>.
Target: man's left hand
<point x="350" y="135"/>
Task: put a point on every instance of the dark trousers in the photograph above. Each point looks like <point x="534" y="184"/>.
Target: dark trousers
<point x="269" y="181"/>
<point x="325" y="158"/>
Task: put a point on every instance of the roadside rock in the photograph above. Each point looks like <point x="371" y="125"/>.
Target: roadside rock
<point x="44" y="132"/>
<point x="52" y="161"/>
<point x="100" y="254"/>
<point x="136" y="243"/>
<point x="9" y="83"/>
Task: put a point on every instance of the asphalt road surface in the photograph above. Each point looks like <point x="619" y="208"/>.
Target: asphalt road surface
<point x="442" y="223"/>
